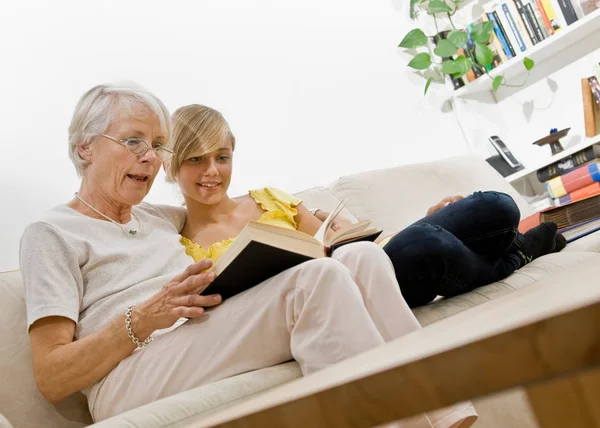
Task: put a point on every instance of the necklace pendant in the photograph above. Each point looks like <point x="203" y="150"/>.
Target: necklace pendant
<point x="132" y="232"/>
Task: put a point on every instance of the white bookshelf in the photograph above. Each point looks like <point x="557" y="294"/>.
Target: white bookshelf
<point x="544" y="161"/>
<point x="514" y="70"/>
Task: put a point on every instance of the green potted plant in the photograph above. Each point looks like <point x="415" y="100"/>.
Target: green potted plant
<point x="459" y="56"/>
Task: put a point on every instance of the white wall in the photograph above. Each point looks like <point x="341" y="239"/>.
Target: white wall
<point x="312" y="89"/>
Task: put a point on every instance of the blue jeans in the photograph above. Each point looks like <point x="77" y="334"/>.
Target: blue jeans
<point x="464" y="245"/>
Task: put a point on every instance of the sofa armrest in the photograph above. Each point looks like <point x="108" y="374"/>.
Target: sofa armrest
<point x="547" y="330"/>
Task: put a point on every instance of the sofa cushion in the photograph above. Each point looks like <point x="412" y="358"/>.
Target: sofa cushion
<point x="396" y="197"/>
<point x="20" y="401"/>
<point x="322" y="198"/>
<point x="527" y="275"/>
<point x="176" y="410"/>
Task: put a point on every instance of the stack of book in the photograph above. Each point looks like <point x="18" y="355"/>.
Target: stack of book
<point x="520" y="25"/>
<point x="574" y="185"/>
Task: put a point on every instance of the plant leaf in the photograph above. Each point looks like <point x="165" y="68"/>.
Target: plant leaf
<point x="445" y="49"/>
<point x="450" y="67"/>
<point x="413" y="8"/>
<point x="528" y="63"/>
<point x="481" y="33"/>
<point x="427" y="85"/>
<point x="496" y="83"/>
<point x="438" y="6"/>
<point x="463" y="65"/>
<point x="458" y="38"/>
<point x="483" y="54"/>
<point x="414" y="39"/>
<point x="420" y="61"/>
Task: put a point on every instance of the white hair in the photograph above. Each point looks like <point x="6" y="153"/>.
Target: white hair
<point x="98" y="107"/>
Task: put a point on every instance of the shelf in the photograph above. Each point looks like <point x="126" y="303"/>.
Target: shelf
<point x="540" y="163"/>
<point x="539" y="53"/>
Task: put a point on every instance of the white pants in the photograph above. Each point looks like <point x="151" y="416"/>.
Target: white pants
<point x="318" y="313"/>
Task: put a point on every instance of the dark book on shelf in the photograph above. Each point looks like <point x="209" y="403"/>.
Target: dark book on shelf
<point x="531" y="15"/>
<point x="501" y="34"/>
<point x="569" y="163"/>
<point x="568" y="11"/>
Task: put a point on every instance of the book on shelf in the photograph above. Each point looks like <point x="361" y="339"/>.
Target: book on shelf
<point x="568" y="12"/>
<point x="564" y="216"/>
<point x="519" y="23"/>
<point x="580" y="230"/>
<point x="556" y="19"/>
<point x="510" y="26"/>
<point x="527" y="22"/>
<point x="576" y="179"/>
<point x="579" y="194"/>
<point x="261" y="251"/>
<point x="500" y="35"/>
<point x="569" y="163"/>
<point x="595" y="89"/>
<point x="545" y="18"/>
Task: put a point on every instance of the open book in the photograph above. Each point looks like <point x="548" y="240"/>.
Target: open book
<point x="261" y="251"/>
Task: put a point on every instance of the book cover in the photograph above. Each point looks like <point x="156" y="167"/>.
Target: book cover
<point x="261" y="251"/>
<point x="595" y="90"/>
<point x="567" y="11"/>
<point x="513" y="33"/>
<point x="576" y="179"/>
<point x="569" y="163"/>
<point x="538" y="17"/>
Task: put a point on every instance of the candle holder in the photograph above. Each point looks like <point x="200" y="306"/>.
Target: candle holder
<point x="553" y="139"/>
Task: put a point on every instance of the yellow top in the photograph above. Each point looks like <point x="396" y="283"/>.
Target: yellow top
<point x="280" y="210"/>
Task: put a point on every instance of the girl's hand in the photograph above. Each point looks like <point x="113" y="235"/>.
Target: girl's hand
<point x="447" y="200"/>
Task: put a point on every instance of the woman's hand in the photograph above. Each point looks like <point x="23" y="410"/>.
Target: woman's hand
<point x="340" y="223"/>
<point x="447" y="200"/>
<point x="180" y="298"/>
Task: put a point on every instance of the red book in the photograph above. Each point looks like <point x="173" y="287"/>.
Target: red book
<point x="577" y="179"/>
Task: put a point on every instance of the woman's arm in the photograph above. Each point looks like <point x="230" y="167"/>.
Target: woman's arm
<point x="63" y="366"/>
<point x="307" y="222"/>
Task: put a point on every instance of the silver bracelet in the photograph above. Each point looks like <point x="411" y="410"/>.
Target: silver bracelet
<point x="314" y="211"/>
<point x="130" y="331"/>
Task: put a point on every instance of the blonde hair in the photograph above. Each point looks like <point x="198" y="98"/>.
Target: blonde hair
<point x="102" y="104"/>
<point x="197" y="130"/>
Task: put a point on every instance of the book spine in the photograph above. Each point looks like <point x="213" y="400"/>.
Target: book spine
<point x="511" y="51"/>
<point x="545" y="19"/>
<point x="538" y="19"/>
<point x="517" y="39"/>
<point x="574" y="180"/>
<point x="595" y="90"/>
<point x="585" y="192"/>
<point x="569" y="163"/>
<point x="526" y="23"/>
<point x="512" y="7"/>
<point x="589" y="115"/>
<point x="539" y="34"/>
<point x="568" y="12"/>
<point x="496" y="40"/>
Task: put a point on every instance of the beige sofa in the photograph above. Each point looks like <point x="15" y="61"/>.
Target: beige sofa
<point x="392" y="199"/>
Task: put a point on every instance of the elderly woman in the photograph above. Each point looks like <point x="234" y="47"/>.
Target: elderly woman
<point x="105" y="274"/>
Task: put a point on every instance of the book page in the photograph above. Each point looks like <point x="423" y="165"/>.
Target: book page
<point x="320" y="235"/>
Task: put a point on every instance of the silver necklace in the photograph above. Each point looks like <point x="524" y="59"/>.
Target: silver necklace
<point x="132" y="232"/>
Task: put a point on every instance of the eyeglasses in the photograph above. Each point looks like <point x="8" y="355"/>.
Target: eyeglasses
<point x="138" y="147"/>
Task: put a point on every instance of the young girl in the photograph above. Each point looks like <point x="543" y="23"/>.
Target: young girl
<point x="202" y="166"/>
